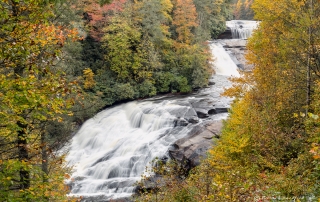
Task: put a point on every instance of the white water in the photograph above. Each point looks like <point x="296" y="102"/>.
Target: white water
<point x="111" y="151"/>
<point x="242" y="29"/>
<point x="223" y="64"/>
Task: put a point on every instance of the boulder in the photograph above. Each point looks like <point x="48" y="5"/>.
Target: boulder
<point x="214" y="128"/>
<point x="201" y="113"/>
<point x="193" y="119"/>
<point x="181" y="122"/>
<point x="192" y="148"/>
<point x="220" y="110"/>
<point x="212" y="111"/>
<point x="151" y="183"/>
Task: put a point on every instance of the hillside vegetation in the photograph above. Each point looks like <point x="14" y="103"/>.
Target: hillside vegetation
<point x="270" y="145"/>
<point x="62" y="61"/>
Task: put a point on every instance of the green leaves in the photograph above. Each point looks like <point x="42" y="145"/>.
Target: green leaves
<point x="32" y="93"/>
<point x="155" y="46"/>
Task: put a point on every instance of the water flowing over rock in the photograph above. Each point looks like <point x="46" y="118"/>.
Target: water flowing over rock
<point x="111" y="151"/>
<point x="236" y="49"/>
<point x="241" y="29"/>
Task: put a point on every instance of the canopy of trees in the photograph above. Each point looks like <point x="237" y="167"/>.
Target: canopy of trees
<point x="62" y="61"/>
<point x="270" y="145"/>
<point x="243" y="10"/>
<point x="34" y="92"/>
<point x="141" y="48"/>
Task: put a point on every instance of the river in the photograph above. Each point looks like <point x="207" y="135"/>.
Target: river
<point x="111" y="150"/>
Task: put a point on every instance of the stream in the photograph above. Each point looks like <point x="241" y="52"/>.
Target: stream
<point x="111" y="150"/>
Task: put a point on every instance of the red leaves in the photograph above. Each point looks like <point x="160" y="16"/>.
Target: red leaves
<point x="96" y="15"/>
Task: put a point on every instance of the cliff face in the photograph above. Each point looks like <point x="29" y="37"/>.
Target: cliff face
<point x="237" y="50"/>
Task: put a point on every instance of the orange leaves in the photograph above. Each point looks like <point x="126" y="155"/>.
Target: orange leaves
<point x="95" y="14"/>
<point x="67" y="176"/>
<point x="315" y="151"/>
<point x="185" y="18"/>
<point x="51" y="34"/>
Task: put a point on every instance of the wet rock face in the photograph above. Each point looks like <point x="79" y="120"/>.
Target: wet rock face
<point x="191" y="149"/>
<point x="236" y="48"/>
<point x="196" y="110"/>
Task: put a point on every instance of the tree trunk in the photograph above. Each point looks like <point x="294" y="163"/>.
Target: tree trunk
<point x="23" y="156"/>
<point x="308" y="101"/>
<point x="44" y="156"/>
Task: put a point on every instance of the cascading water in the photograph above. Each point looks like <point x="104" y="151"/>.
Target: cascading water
<point x="242" y="29"/>
<point x="223" y="59"/>
<point x="111" y="150"/>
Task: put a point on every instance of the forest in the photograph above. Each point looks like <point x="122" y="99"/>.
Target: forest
<point x="242" y="10"/>
<point x="63" y="61"/>
<point x="269" y="148"/>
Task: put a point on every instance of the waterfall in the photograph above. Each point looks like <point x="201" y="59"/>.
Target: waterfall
<point x="241" y="29"/>
<point x="223" y="64"/>
<point x="111" y="150"/>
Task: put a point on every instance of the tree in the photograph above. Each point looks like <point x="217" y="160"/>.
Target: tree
<point x="269" y="146"/>
<point x="122" y="39"/>
<point x="155" y="18"/>
<point x="243" y="11"/>
<point x="184" y="19"/>
<point x="265" y="147"/>
<point x="32" y="92"/>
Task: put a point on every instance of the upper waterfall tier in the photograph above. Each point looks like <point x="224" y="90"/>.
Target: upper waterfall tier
<point x="241" y="29"/>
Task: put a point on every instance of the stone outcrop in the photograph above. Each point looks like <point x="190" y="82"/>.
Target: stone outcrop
<point x="191" y="149"/>
<point x="197" y="109"/>
<point x="237" y="49"/>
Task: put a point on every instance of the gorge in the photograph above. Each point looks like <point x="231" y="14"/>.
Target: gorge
<point x="111" y="150"/>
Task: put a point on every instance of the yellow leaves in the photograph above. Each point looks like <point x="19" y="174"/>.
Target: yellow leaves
<point x="167" y="8"/>
<point x="89" y="78"/>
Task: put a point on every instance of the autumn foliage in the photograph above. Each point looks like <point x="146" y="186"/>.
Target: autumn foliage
<point x="32" y="93"/>
<point x="269" y="146"/>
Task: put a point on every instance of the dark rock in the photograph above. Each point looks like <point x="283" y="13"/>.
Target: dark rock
<point x="149" y="184"/>
<point x="192" y="148"/>
<point x="193" y="119"/>
<point x="201" y="113"/>
<point x="226" y="35"/>
<point x="222" y="110"/>
<point x="181" y="122"/>
<point x="212" y="111"/>
<point x="211" y="83"/>
<point x="177" y="155"/>
<point x="240" y="66"/>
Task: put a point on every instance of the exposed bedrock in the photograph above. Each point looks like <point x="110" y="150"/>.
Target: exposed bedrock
<point x="236" y="48"/>
<point x="197" y="109"/>
<point x="192" y="148"/>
